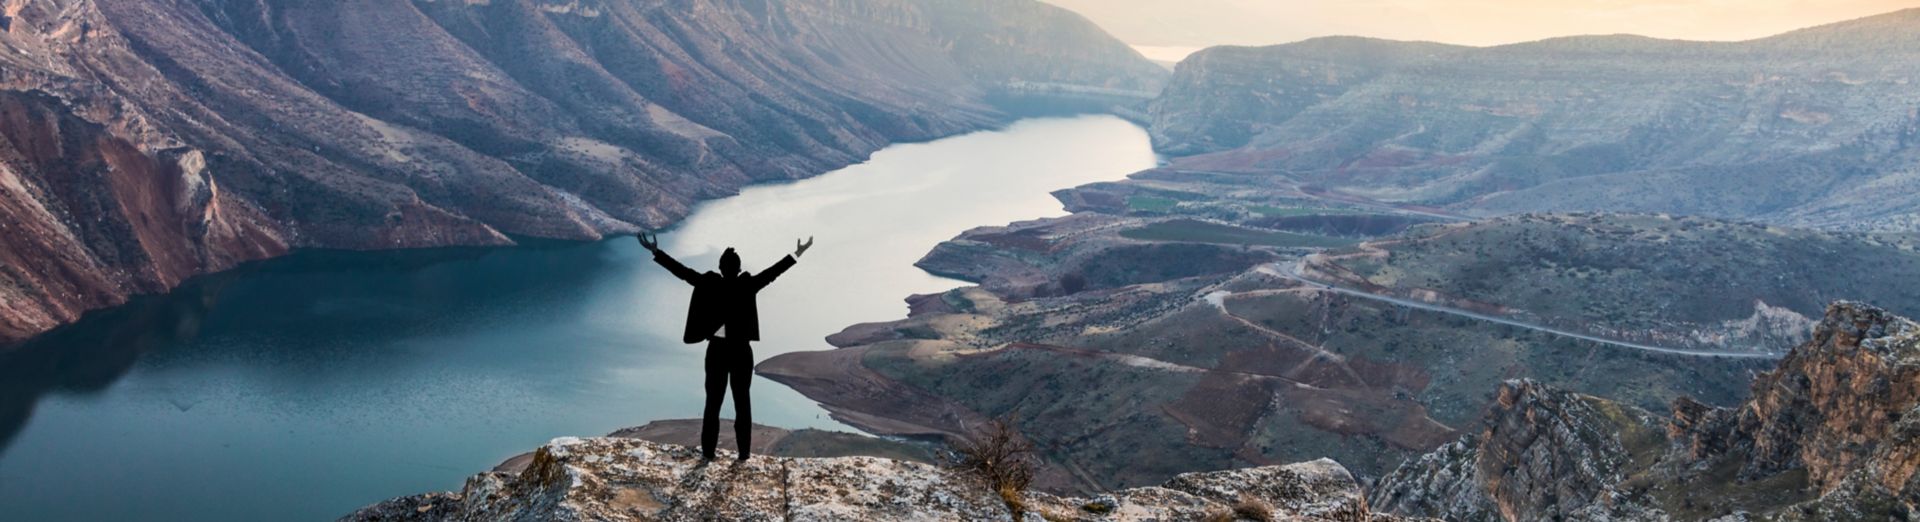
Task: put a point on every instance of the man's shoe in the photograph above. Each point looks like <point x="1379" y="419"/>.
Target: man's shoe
<point x="742" y="458"/>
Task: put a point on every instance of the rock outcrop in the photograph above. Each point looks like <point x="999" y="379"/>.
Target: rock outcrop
<point x="1827" y="435"/>
<point x="146" y="141"/>
<point x="1844" y="407"/>
<point x="610" y="479"/>
<point x="767" y="440"/>
<point x="1542" y="451"/>
<point x="1814" y="128"/>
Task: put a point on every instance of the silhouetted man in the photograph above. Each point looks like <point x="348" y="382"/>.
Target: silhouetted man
<point x="723" y="315"/>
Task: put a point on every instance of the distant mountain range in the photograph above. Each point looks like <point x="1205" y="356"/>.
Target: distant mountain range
<point x="1818" y="127"/>
<point x="147" y="141"/>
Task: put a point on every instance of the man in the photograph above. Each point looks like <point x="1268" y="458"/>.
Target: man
<point x="723" y="315"/>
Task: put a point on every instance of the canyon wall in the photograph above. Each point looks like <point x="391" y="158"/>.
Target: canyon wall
<point x="147" y="141"/>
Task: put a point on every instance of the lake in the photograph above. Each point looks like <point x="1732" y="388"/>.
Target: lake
<point x="304" y="387"/>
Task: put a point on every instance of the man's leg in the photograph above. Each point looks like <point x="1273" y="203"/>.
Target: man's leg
<point x="742" y="375"/>
<point x="716" y="391"/>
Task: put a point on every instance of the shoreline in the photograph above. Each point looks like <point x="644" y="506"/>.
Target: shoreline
<point x="10" y="343"/>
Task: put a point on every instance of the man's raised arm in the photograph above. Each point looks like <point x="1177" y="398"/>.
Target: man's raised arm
<point x="652" y="244"/>
<point x="766" y="277"/>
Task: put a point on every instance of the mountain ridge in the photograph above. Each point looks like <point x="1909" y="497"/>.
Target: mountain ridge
<point x="1783" y="129"/>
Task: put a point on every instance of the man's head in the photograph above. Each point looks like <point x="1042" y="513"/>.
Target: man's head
<point x="729" y="263"/>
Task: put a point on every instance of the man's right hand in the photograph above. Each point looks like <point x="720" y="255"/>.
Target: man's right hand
<point x="650" y="242"/>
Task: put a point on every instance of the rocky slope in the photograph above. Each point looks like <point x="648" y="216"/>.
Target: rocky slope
<point x="628" y="479"/>
<point x="1815" y="128"/>
<point x="148" y="141"/>
<point x="1827" y="435"/>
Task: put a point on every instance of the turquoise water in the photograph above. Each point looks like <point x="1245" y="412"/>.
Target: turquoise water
<point x="304" y="387"/>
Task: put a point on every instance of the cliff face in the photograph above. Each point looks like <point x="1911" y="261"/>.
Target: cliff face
<point x="148" y="141"/>
<point x="1828" y="434"/>
<point x="1790" y="129"/>
<point x="629" y="479"/>
<point x="1840" y="406"/>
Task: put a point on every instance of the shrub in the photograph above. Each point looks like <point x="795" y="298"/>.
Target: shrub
<point x="1250" y="508"/>
<point x="1247" y="508"/>
<point x="1000" y="459"/>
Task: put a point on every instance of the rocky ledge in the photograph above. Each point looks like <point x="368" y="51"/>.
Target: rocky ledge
<point x="1833" y="433"/>
<point x="613" y="478"/>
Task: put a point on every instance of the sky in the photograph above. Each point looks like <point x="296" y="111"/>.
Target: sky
<point x="1190" y="24"/>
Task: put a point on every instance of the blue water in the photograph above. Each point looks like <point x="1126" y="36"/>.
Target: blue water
<point x="304" y="387"/>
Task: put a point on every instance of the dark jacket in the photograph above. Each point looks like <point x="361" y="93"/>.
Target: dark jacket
<point x="721" y="300"/>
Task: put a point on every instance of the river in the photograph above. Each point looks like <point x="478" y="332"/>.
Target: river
<point x="304" y="387"/>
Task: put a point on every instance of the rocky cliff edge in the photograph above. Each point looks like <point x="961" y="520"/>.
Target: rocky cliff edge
<point x="622" y="479"/>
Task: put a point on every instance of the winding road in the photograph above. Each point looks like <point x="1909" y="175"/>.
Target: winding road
<point x="1291" y="272"/>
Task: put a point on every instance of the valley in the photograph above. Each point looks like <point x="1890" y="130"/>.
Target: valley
<point x="1229" y="309"/>
<point x="255" y="264"/>
<point x="1101" y="347"/>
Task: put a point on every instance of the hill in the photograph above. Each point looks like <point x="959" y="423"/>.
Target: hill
<point x="1674" y="281"/>
<point x="1813" y="128"/>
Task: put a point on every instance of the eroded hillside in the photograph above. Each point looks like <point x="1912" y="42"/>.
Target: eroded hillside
<point x="148" y="141"/>
<point x="1813" y="128"/>
<point x="1673" y="281"/>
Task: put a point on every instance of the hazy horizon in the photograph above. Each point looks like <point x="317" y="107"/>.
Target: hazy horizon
<point x="1166" y="30"/>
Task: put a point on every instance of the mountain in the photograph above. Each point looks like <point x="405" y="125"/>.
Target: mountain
<point x="147" y="141"/>
<point x="616" y="479"/>
<point x="1827" y="435"/>
<point x="1812" y="128"/>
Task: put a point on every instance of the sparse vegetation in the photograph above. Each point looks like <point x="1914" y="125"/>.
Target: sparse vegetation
<point x="1273" y="211"/>
<point x="1207" y="232"/>
<point x="1675" y="281"/>
<point x="998" y="457"/>
<point x="1150" y="204"/>
<point x="1250" y="508"/>
<point x="1151" y="201"/>
<point x="1246" y="508"/>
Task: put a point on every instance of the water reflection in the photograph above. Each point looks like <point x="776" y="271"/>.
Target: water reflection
<point x="90" y="356"/>
<point x="365" y="295"/>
